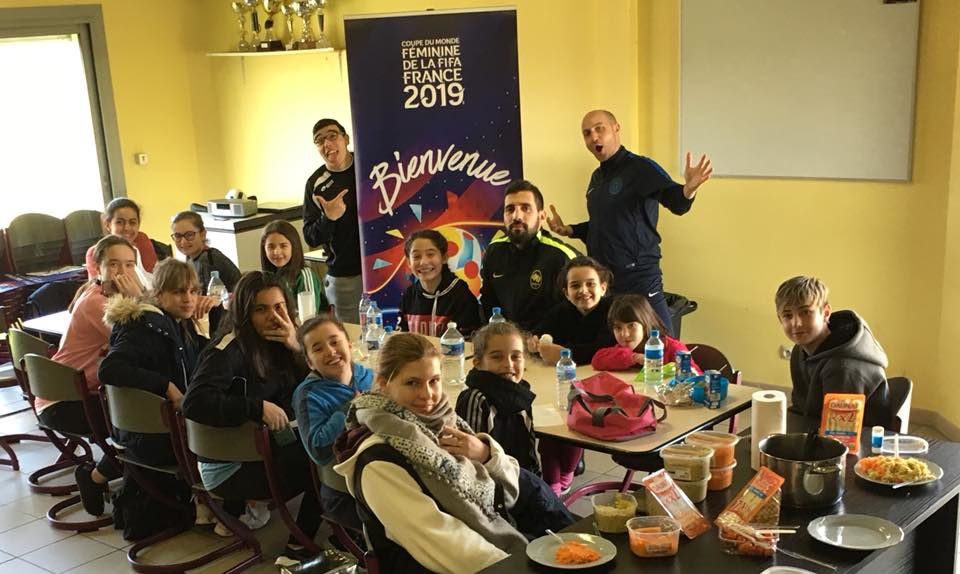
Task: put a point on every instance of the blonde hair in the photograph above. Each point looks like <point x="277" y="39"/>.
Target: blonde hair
<point x="800" y="291"/>
<point x="401" y="349"/>
<point x="171" y="274"/>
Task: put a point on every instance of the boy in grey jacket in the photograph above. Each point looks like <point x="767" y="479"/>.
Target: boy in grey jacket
<point x="834" y="352"/>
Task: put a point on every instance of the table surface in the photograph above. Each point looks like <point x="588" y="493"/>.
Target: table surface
<point x="906" y="507"/>
<point x="55" y="324"/>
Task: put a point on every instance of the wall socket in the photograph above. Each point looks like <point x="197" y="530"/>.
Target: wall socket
<point x="784" y="352"/>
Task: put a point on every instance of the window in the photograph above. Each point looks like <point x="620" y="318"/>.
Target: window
<point x="59" y="147"/>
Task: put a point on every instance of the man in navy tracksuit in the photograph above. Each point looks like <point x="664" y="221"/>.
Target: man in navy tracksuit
<point x="623" y="203"/>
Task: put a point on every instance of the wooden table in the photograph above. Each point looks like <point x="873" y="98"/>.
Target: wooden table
<point x="927" y="514"/>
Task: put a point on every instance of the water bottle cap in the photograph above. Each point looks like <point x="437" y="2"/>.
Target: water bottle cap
<point x="496" y="310"/>
<point x="214" y="274"/>
<point x="654" y="332"/>
<point x="452" y="325"/>
<point x="564" y="353"/>
<point x="389" y="328"/>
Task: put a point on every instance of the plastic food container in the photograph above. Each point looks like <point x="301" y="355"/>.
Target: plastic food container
<point x="731" y="543"/>
<point x="722" y="444"/>
<point x="721" y="478"/>
<point x="612" y="510"/>
<point x="696" y="490"/>
<point x="653" y="506"/>
<point x="687" y="461"/>
<point x="653" y="536"/>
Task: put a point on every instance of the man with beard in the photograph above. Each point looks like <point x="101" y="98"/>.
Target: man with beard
<point x="330" y="218"/>
<point x="623" y="201"/>
<point x="522" y="262"/>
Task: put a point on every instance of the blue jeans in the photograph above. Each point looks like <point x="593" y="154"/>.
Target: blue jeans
<point x="538" y="508"/>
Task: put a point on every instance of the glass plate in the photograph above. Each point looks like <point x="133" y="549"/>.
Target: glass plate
<point x="855" y="531"/>
<point x="543" y="550"/>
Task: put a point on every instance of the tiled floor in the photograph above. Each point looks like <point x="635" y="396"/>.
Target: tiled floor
<point x="29" y="545"/>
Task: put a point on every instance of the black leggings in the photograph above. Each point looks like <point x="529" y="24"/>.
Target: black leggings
<point x="292" y="469"/>
<point x="69" y="418"/>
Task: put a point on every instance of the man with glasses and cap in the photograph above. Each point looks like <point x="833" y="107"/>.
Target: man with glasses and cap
<point x="330" y="218"/>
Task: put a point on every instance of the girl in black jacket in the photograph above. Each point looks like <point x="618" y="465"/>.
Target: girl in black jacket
<point x="437" y="296"/>
<point x="249" y="374"/>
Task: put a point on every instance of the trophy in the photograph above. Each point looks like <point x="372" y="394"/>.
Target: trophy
<point x="307" y="40"/>
<point x="270" y="42"/>
<point x="290" y="12"/>
<point x="241" y="10"/>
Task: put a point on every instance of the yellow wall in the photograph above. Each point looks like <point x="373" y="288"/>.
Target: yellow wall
<point x="888" y="250"/>
<point x="159" y="80"/>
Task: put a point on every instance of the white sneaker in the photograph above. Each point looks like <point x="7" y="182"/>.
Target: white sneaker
<point x="221" y="530"/>
<point x="204" y="514"/>
<point x="256" y="516"/>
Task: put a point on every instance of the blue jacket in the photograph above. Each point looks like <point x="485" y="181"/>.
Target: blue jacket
<point x="321" y="407"/>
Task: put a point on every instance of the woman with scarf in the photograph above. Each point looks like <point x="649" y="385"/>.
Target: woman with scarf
<point x="433" y="495"/>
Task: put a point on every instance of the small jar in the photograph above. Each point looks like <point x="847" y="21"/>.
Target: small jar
<point x="876" y="440"/>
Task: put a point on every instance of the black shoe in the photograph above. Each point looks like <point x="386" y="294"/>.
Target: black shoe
<point x="581" y="466"/>
<point x="297" y="552"/>
<point x="91" y="493"/>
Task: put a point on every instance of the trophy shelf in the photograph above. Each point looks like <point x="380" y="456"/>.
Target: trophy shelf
<point x="274" y="53"/>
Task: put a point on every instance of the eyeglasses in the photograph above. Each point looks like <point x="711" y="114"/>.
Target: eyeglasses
<point x="327" y="137"/>
<point x="189" y="236"/>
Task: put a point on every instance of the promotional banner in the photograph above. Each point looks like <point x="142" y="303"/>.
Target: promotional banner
<point x="436" y="132"/>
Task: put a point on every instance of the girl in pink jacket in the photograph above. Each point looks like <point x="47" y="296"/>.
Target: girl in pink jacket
<point x="631" y="317"/>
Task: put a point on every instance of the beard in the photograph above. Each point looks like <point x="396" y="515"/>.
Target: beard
<point x="521" y="235"/>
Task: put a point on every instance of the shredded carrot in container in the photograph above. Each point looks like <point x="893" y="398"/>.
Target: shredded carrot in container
<point x="573" y="552"/>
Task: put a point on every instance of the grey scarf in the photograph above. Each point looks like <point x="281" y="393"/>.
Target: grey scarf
<point x="460" y="486"/>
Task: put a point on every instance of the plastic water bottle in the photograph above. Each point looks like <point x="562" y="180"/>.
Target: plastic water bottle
<point x="452" y="348"/>
<point x="371" y="318"/>
<point x="364" y="306"/>
<point x="387" y="333"/>
<point x="372" y="338"/>
<point x="216" y="288"/>
<point x="653" y="359"/>
<point x="497" y="317"/>
<point x="566" y="374"/>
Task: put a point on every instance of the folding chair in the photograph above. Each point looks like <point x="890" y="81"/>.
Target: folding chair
<point x="249" y="442"/>
<point x="139" y="411"/>
<point x="21" y="344"/>
<point x="53" y="381"/>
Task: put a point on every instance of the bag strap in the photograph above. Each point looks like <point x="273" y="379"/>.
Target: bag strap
<point x="654" y="403"/>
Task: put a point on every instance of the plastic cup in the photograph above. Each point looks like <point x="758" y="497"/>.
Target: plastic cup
<point x="721" y="478"/>
<point x="696" y="490"/>
<point x="653" y="536"/>
<point x="612" y="510"/>
<point x="722" y="443"/>
<point x="687" y="461"/>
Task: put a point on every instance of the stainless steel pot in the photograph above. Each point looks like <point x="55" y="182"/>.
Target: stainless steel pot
<point x="813" y="467"/>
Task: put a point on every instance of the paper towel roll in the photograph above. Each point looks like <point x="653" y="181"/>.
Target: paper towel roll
<point x="768" y="415"/>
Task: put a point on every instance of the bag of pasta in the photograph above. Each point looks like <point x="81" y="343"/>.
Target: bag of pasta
<point x="842" y="418"/>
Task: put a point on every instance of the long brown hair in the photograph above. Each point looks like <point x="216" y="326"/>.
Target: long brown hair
<point x="99" y="254"/>
<point x="289" y="271"/>
<point x="633" y="308"/>
<point x="255" y="348"/>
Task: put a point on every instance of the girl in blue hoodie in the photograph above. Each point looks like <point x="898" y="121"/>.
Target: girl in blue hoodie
<point x="321" y="402"/>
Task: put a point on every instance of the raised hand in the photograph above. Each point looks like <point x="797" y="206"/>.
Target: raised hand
<point x="204" y="304"/>
<point x="285" y="332"/>
<point x="556" y="223"/>
<point x="128" y="285"/>
<point x="695" y="175"/>
<point x="333" y="209"/>
<point x="459" y="443"/>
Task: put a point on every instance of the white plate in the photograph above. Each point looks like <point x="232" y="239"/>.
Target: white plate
<point x="934" y="468"/>
<point x="543" y="550"/>
<point x="855" y="531"/>
<point x="786" y="570"/>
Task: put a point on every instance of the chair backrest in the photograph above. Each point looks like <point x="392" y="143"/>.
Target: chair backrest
<point x="84" y="228"/>
<point x="23" y="343"/>
<point x="228" y="444"/>
<point x="901" y="395"/>
<point x="51" y="380"/>
<point x="135" y="410"/>
<point x="712" y="359"/>
<point x="37" y="242"/>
